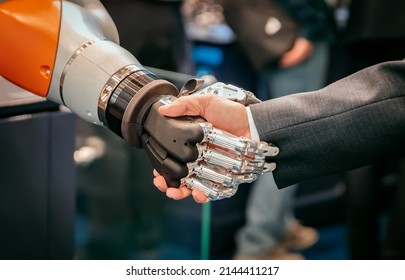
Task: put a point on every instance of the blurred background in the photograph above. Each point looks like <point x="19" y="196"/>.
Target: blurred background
<point x="96" y="200"/>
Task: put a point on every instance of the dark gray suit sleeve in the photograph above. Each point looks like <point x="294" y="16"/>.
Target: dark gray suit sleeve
<point x="351" y="123"/>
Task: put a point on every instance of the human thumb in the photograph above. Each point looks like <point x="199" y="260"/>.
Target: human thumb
<point x="181" y="107"/>
<point x="173" y="109"/>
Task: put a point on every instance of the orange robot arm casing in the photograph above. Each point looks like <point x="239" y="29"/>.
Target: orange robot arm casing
<point x="29" y="31"/>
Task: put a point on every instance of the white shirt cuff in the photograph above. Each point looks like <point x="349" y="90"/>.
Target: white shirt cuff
<point x="253" y="130"/>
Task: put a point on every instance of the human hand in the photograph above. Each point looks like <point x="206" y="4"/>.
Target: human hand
<point x="301" y="50"/>
<point x="212" y="108"/>
<point x="223" y="114"/>
<point x="220" y="112"/>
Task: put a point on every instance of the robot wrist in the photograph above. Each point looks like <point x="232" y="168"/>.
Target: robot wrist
<point x="118" y="92"/>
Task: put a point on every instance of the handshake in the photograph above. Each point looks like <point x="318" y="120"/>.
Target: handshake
<point x="199" y="142"/>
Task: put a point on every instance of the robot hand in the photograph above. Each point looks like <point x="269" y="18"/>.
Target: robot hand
<point x="74" y="59"/>
<point x="190" y="151"/>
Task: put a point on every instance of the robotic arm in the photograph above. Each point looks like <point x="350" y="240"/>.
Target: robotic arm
<point x="68" y="52"/>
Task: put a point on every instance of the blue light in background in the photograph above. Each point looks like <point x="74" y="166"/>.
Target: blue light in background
<point x="207" y="55"/>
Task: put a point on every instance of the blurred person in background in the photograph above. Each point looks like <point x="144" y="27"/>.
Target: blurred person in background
<point x="271" y="230"/>
<point x="374" y="33"/>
